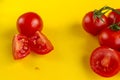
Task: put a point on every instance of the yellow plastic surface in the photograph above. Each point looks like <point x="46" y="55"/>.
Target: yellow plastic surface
<point x="62" y="25"/>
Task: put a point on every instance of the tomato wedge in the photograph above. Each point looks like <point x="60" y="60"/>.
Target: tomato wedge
<point x="40" y="44"/>
<point x="20" y="46"/>
<point x="105" y="61"/>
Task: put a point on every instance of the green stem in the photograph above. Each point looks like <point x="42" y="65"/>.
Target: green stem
<point x="110" y="8"/>
<point x="115" y="27"/>
<point x="99" y="13"/>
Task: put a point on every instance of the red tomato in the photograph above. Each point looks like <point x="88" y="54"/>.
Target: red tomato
<point x="114" y="17"/>
<point x="105" y="61"/>
<point x="40" y="44"/>
<point x="94" y="25"/>
<point x="29" y="23"/>
<point x="20" y="46"/>
<point x="110" y="38"/>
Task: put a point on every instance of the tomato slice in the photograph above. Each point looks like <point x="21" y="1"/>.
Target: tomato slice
<point x="40" y="44"/>
<point x="20" y="46"/>
<point x="105" y="61"/>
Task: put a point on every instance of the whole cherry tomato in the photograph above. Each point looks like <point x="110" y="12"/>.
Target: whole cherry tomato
<point x="110" y="37"/>
<point x="105" y="61"/>
<point x="94" y="21"/>
<point x="20" y="46"/>
<point x="29" y="23"/>
<point x="114" y="17"/>
<point x="40" y="44"/>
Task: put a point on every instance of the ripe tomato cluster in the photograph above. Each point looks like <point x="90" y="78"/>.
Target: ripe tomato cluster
<point x="30" y="37"/>
<point x="104" y="60"/>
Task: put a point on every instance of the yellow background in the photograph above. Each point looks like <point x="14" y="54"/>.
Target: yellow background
<point x="62" y="25"/>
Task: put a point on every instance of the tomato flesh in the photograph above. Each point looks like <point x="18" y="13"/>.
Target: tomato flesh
<point x="105" y="61"/>
<point x="40" y="44"/>
<point x="29" y="23"/>
<point x="20" y="46"/>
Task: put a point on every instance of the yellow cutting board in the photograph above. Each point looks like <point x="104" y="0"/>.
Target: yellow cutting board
<point x="62" y="25"/>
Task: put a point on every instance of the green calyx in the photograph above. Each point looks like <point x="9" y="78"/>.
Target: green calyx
<point x="115" y="27"/>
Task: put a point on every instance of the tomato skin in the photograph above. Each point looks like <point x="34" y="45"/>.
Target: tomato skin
<point x="105" y="61"/>
<point x="110" y="38"/>
<point x="20" y="46"/>
<point x="92" y="25"/>
<point x="28" y="23"/>
<point x="40" y="44"/>
<point x="113" y="17"/>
